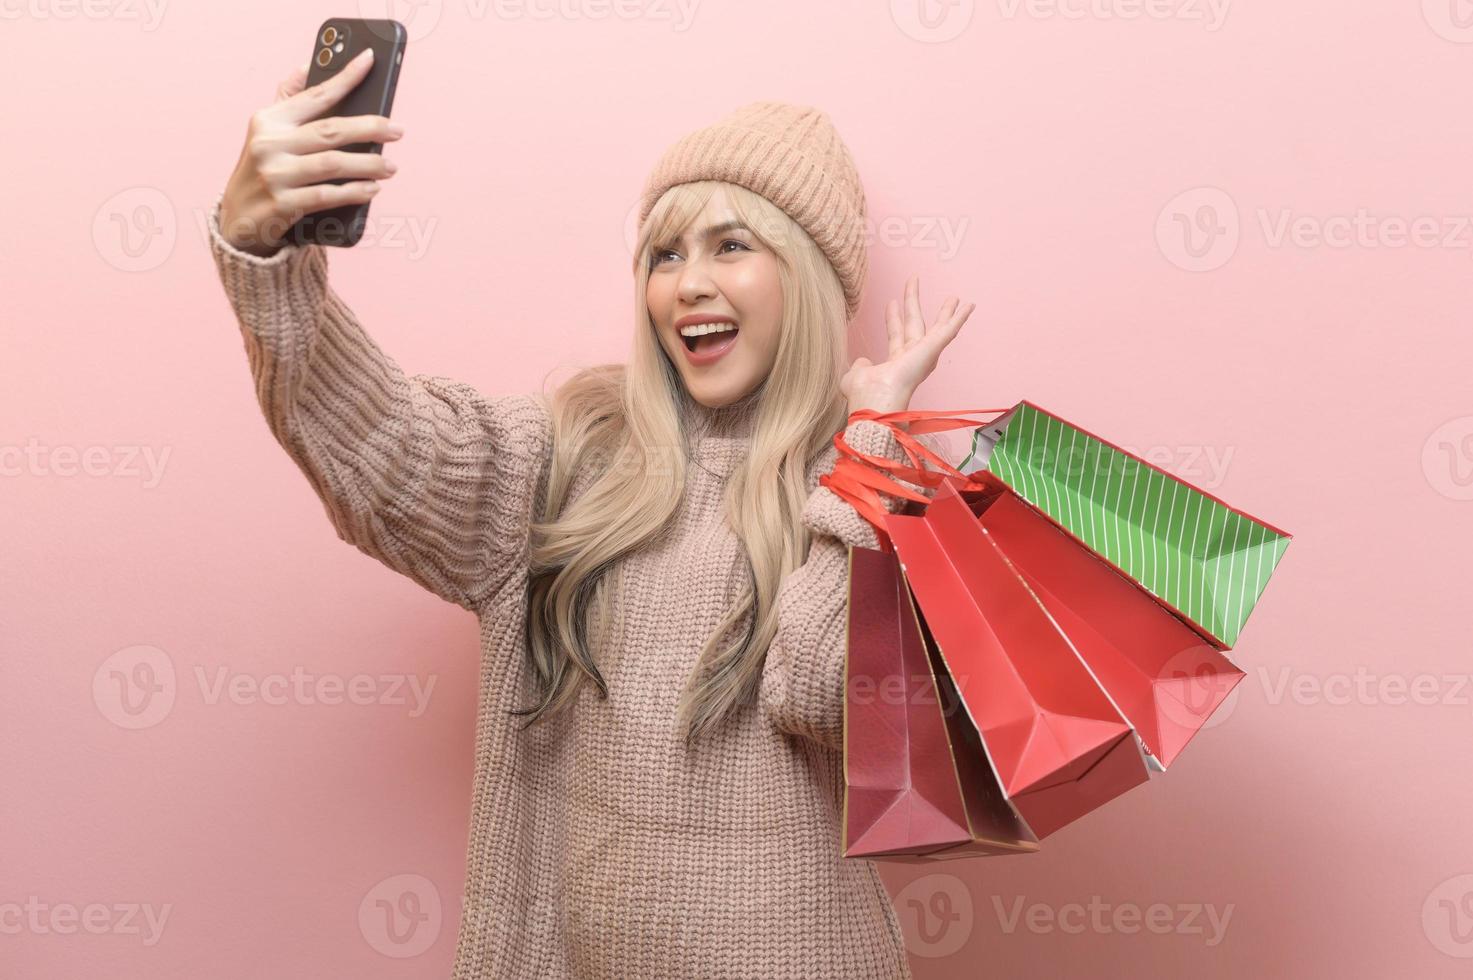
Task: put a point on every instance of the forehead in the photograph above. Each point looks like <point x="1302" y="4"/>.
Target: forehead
<point x="716" y="217"/>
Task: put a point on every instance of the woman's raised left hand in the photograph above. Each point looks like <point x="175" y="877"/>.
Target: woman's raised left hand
<point x="914" y="351"/>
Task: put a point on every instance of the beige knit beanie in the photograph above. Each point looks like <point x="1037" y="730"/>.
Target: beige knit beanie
<point x="791" y="155"/>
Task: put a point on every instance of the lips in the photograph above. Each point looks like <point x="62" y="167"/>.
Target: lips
<point x="699" y="340"/>
<point x="692" y="319"/>
<point x="712" y="350"/>
<point x="710" y="346"/>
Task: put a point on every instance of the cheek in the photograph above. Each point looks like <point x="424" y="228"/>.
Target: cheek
<point x="756" y="289"/>
<point x="762" y="345"/>
<point x="656" y="297"/>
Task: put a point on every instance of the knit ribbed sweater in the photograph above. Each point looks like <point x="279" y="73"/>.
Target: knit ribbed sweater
<point x="599" y="845"/>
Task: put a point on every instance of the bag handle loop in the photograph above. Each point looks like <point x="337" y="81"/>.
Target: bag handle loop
<point x="859" y="478"/>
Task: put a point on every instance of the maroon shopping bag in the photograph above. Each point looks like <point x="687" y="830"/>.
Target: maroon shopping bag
<point x="917" y="784"/>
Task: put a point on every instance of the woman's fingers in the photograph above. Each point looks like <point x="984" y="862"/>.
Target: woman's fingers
<point x="336" y="131"/>
<point x="292" y="153"/>
<point x="319" y="197"/>
<point x="915" y="324"/>
<point x="298" y="171"/>
<point x="905" y="324"/>
<point x="894" y="330"/>
<point x="953" y="325"/>
<point x="947" y="326"/>
<point x="947" y="310"/>
<point x="318" y="99"/>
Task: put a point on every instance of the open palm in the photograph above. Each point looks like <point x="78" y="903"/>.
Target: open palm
<point x="914" y="351"/>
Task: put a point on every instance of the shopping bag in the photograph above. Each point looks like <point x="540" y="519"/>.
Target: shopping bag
<point x="1204" y="559"/>
<point x="916" y="782"/>
<point x="1147" y="661"/>
<point x="1057" y="744"/>
<point x="1160" y="674"/>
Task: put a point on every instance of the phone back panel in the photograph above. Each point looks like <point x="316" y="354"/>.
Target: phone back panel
<point x="343" y="226"/>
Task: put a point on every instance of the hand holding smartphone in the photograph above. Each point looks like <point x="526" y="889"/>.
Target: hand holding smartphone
<point x="313" y="159"/>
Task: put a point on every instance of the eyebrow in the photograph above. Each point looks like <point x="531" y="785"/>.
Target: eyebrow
<point x="721" y="229"/>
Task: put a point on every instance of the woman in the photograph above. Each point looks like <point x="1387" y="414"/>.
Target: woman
<point x="660" y="581"/>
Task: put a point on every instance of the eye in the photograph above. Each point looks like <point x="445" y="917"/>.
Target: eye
<point x="658" y="255"/>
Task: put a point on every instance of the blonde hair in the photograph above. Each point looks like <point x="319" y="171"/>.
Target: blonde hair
<point x="613" y="412"/>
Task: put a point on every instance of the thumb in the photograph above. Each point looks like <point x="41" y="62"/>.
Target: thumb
<point x="292" y="84"/>
<point x="861" y="362"/>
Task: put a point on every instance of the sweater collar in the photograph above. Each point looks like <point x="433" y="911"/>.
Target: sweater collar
<point x="721" y="434"/>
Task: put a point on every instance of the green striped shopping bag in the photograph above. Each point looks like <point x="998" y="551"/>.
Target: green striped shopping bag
<point x="1205" y="560"/>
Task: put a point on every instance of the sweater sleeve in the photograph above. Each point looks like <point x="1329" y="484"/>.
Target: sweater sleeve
<point x="424" y="474"/>
<point x="802" y="687"/>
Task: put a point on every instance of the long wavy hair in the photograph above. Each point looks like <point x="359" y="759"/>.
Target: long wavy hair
<point x="615" y="417"/>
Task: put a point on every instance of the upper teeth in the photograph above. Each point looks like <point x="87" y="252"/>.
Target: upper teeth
<point x="697" y="329"/>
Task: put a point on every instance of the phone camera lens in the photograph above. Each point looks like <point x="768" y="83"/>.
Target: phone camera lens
<point x="324" y="57"/>
<point x="329" y="35"/>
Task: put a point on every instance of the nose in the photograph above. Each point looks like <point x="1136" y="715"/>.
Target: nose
<point x="696" y="283"/>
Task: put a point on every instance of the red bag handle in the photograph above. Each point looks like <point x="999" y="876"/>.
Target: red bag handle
<point x="858" y="476"/>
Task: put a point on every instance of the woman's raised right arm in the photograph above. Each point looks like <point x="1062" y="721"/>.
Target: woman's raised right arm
<point x="425" y="474"/>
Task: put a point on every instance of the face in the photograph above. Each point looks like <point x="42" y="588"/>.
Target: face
<point x="716" y="272"/>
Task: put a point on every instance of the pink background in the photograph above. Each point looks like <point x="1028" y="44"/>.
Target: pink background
<point x="1040" y="158"/>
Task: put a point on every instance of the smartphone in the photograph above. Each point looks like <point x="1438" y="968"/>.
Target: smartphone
<point x="338" y="41"/>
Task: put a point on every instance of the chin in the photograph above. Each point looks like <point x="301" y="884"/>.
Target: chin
<point x="713" y="397"/>
<point x="710" y="400"/>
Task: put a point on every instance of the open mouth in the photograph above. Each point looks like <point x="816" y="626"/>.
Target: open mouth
<point x="710" y="341"/>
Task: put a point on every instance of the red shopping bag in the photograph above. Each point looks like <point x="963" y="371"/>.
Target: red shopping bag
<point x="1057" y="744"/>
<point x="916" y="782"/>
<point x="1159" y="672"/>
